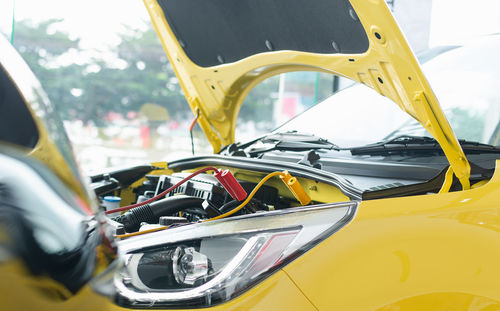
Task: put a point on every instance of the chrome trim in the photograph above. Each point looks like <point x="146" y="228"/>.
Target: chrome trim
<point x="195" y="292"/>
<point x="181" y="233"/>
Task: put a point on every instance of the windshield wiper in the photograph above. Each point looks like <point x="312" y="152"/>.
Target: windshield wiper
<point x="407" y="144"/>
<point x="287" y="141"/>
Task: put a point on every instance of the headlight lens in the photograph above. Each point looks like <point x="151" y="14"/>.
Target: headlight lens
<point x="204" y="264"/>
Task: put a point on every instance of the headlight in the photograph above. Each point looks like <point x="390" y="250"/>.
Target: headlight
<point x="204" y="264"/>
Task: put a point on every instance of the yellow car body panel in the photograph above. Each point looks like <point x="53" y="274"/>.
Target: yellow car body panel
<point x="278" y="292"/>
<point x="388" y="66"/>
<point x="42" y="293"/>
<point x="432" y="252"/>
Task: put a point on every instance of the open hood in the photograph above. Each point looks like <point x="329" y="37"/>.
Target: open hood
<point x="221" y="49"/>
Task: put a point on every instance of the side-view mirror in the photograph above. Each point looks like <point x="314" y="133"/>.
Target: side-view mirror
<point x="51" y="244"/>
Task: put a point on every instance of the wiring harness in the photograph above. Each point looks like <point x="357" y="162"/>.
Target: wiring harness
<point x="232" y="186"/>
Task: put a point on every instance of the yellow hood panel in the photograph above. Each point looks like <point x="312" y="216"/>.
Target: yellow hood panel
<point x="388" y="66"/>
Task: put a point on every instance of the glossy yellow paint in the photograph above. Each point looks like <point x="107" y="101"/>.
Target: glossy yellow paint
<point x="430" y="252"/>
<point x="389" y="66"/>
<point x="318" y="192"/>
<point x="22" y="291"/>
<point x="277" y="292"/>
<point x="448" y="180"/>
<point x="480" y="183"/>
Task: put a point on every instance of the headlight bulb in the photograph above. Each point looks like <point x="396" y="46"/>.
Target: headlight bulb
<point x="179" y="267"/>
<point x="189" y="266"/>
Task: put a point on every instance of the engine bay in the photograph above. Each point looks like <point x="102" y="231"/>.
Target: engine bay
<point x="200" y="198"/>
<point x="158" y="198"/>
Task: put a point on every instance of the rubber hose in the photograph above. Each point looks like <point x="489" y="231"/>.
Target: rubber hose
<point x="151" y="213"/>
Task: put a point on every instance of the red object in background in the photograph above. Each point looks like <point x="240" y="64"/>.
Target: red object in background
<point x="113" y="116"/>
<point x="145" y="136"/>
<point x="132" y="115"/>
<point x="174" y="125"/>
<point x="289" y="107"/>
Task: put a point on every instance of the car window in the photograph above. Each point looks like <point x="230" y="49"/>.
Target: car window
<point x="352" y="117"/>
<point x="465" y="81"/>
<point x="280" y="98"/>
<point x="16" y="124"/>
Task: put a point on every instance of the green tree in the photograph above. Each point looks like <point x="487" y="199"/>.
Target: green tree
<point x="466" y="124"/>
<point x="42" y="46"/>
<point x="143" y="74"/>
<point x="88" y="89"/>
<point x="148" y="76"/>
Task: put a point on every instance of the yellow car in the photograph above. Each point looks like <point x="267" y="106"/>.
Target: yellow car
<point x="334" y="210"/>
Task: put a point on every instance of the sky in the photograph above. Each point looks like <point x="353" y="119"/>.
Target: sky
<point x="458" y="21"/>
<point x="95" y="21"/>
<point x="98" y="21"/>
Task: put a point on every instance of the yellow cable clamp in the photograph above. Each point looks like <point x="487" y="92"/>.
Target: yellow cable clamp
<point x="295" y="187"/>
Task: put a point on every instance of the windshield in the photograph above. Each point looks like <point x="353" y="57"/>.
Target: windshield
<point x="466" y="81"/>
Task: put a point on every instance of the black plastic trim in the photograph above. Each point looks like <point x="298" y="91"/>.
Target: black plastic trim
<point x="342" y="184"/>
<point x="432" y="185"/>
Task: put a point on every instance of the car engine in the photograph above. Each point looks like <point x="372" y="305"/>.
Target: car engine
<point x="169" y="200"/>
<point x="200" y="198"/>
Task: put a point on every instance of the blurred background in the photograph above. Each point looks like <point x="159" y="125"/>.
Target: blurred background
<point x="104" y="70"/>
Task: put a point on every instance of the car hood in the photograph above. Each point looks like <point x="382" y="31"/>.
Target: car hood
<point x="221" y="49"/>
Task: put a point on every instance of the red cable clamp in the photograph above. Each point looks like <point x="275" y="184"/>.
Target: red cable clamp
<point x="232" y="186"/>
